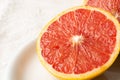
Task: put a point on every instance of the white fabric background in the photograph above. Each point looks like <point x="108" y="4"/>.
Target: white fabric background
<point x="21" y="22"/>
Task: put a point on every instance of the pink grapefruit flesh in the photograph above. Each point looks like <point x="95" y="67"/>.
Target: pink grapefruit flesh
<point x="79" y="41"/>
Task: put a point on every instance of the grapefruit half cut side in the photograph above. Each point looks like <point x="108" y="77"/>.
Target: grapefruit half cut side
<point x="79" y="43"/>
<point x="113" y="6"/>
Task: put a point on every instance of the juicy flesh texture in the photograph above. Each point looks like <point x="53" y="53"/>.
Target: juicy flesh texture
<point x="112" y="6"/>
<point x="78" y="41"/>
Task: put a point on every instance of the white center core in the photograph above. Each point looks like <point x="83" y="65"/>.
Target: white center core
<point x="77" y="39"/>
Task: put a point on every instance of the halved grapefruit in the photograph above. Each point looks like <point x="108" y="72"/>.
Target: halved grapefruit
<point x="80" y="43"/>
<point x="112" y="6"/>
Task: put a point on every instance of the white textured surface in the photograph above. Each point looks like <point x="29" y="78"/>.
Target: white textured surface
<point x="21" y="21"/>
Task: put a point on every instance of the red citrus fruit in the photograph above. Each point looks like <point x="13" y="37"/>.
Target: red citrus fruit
<point x="112" y="6"/>
<point x="80" y="43"/>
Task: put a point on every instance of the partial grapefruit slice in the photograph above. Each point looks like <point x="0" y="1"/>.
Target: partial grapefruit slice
<point x="112" y="6"/>
<point x="79" y="44"/>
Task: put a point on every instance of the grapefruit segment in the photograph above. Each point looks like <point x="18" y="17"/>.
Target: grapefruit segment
<point x="80" y="43"/>
<point x="113" y="6"/>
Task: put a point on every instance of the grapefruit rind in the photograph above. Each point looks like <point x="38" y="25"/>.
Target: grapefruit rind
<point x="94" y="72"/>
<point x="85" y="2"/>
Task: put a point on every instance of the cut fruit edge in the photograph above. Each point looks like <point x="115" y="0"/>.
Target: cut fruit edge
<point x="85" y="2"/>
<point x="93" y="73"/>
